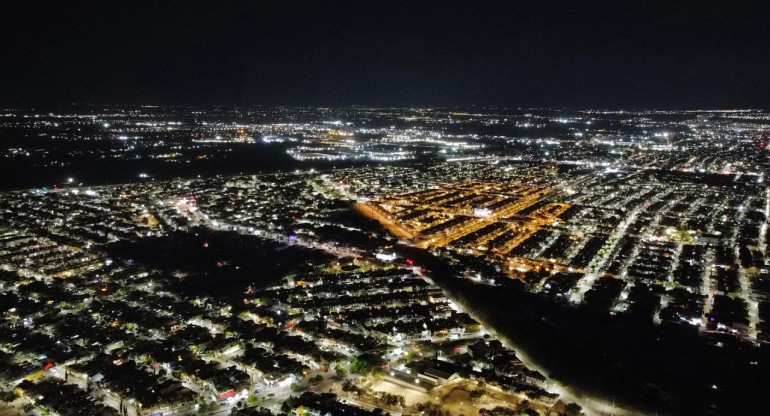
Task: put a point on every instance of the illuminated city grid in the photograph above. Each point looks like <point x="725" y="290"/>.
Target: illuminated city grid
<point x="657" y="217"/>
<point x="471" y="217"/>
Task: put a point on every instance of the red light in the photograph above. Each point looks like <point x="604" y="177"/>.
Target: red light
<point x="292" y="217"/>
<point x="409" y="261"/>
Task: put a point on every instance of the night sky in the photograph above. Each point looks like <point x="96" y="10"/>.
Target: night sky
<point x="613" y="54"/>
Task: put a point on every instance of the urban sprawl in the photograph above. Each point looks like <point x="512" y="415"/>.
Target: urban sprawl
<point x="313" y="289"/>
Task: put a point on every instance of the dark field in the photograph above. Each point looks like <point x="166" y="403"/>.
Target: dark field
<point x="216" y="263"/>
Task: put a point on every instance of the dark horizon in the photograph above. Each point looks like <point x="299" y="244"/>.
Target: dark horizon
<point x="652" y="55"/>
<point x="493" y="108"/>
